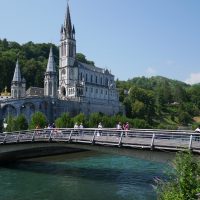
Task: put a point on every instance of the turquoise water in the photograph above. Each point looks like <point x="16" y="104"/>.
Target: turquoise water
<point x="80" y="176"/>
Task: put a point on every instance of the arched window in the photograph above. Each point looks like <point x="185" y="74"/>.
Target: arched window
<point x="86" y="78"/>
<point x="81" y="76"/>
<point x="50" y="88"/>
<point x="91" y="79"/>
<point x="63" y="91"/>
<point x="64" y="49"/>
<point x="106" y="82"/>
<point x="15" y="93"/>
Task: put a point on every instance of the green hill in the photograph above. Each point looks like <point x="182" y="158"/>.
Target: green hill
<point x="160" y="101"/>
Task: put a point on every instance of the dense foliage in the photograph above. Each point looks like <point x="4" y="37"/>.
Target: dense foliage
<point x="184" y="184"/>
<point x="82" y="58"/>
<point x="38" y="120"/>
<point x="92" y="121"/>
<point x="15" y="123"/>
<point x="32" y="59"/>
<point x="152" y="102"/>
<point x="162" y="102"/>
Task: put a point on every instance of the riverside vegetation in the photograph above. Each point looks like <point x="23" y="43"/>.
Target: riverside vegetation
<point x="155" y="102"/>
<point x="184" y="182"/>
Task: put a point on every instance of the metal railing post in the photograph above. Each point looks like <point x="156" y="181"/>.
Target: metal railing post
<point x="190" y="143"/>
<point x="33" y="137"/>
<point x="120" y="139"/>
<point x="152" y="141"/>
<point x="93" y="138"/>
<point x="4" y="140"/>
<point x="18" y="137"/>
<point x="50" y="137"/>
<point x="70" y="136"/>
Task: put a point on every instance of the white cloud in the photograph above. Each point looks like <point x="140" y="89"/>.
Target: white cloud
<point x="150" y="71"/>
<point x="194" y="78"/>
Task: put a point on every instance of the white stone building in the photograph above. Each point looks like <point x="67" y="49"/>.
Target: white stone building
<point x="79" y="88"/>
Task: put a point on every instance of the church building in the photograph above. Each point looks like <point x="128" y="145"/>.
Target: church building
<point x="79" y="88"/>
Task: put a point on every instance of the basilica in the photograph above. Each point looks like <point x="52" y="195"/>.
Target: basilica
<point x="79" y="88"/>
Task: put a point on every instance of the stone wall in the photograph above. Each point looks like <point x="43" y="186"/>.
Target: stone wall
<point x="53" y="107"/>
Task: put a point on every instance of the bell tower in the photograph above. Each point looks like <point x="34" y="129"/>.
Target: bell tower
<point x="68" y="73"/>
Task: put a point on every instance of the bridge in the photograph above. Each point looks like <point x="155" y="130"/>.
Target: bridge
<point x="143" y="143"/>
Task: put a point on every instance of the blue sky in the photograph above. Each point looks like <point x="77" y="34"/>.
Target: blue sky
<point x="131" y="37"/>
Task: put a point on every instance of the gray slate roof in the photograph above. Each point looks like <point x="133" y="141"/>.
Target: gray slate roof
<point x="51" y="64"/>
<point x="17" y="73"/>
<point x="35" y="91"/>
<point x="94" y="68"/>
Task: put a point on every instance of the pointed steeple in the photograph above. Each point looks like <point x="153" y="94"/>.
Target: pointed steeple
<point x="67" y="23"/>
<point x="17" y="74"/>
<point x="50" y="79"/>
<point x="61" y="29"/>
<point x="51" y="64"/>
<point x="73" y="30"/>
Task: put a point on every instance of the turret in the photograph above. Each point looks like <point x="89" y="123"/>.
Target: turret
<point x="50" y="80"/>
<point x="17" y="73"/>
<point x="18" y="85"/>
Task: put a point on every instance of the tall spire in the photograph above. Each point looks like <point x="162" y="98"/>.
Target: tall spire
<point x="17" y="74"/>
<point x="51" y="64"/>
<point x="67" y="23"/>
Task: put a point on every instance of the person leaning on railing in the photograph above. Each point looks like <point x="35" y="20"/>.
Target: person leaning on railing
<point x="99" y="129"/>
<point x="197" y="130"/>
<point x="126" y="127"/>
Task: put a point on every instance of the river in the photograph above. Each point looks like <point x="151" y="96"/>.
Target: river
<point x="80" y="176"/>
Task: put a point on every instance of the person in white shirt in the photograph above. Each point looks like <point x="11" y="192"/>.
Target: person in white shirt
<point x="119" y="126"/>
<point x="81" y="125"/>
<point x="197" y="130"/>
<point x="81" y="129"/>
<point x="76" y="125"/>
<point x="99" y="127"/>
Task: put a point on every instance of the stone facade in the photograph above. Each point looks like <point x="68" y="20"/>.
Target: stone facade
<point x="81" y="87"/>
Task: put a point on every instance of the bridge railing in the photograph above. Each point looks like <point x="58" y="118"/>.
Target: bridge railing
<point x="137" y="138"/>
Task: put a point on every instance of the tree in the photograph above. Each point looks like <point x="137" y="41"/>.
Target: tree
<point x="38" y="119"/>
<point x="80" y="118"/>
<point x="142" y="103"/>
<point x="21" y="123"/>
<point x="82" y="58"/>
<point x="184" y="184"/>
<point x="108" y="121"/>
<point x="94" y="119"/>
<point x="10" y="123"/>
<point x="64" y="121"/>
<point x="184" y="118"/>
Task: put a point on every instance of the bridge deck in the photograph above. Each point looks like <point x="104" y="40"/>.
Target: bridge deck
<point x="137" y="138"/>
